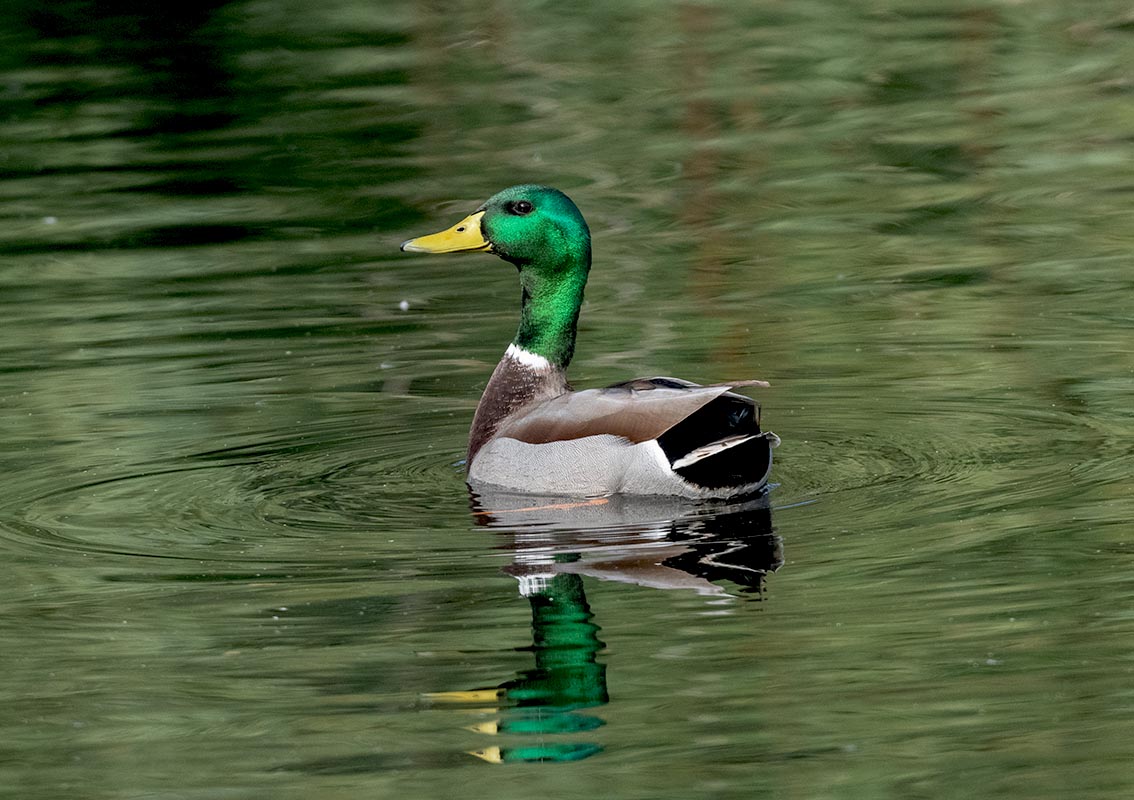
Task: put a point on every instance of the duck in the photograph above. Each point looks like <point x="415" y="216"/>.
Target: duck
<point x="534" y="434"/>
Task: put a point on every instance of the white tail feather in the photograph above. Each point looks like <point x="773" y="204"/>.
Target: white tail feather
<point x="711" y="449"/>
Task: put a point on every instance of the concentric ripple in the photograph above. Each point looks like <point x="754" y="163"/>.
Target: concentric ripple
<point x="228" y="504"/>
<point x="994" y="454"/>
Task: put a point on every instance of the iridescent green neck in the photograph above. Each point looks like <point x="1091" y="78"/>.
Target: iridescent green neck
<point x="549" y="306"/>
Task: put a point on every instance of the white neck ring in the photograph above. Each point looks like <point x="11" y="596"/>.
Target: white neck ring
<point x="527" y="358"/>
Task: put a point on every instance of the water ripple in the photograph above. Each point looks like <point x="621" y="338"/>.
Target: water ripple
<point x="996" y="456"/>
<point x="229" y="503"/>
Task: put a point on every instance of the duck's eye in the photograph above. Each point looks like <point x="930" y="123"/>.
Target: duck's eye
<point x="521" y="207"/>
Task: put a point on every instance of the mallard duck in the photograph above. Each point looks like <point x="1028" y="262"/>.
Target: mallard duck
<point x="533" y="433"/>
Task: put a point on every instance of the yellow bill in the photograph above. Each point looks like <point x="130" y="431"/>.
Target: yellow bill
<point x="464" y="237"/>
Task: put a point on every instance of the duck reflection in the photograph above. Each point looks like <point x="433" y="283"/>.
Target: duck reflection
<point x="661" y="543"/>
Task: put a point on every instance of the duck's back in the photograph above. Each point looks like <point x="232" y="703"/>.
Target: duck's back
<point x="648" y="436"/>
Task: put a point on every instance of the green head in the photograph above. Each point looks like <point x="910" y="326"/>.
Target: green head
<point x="541" y="231"/>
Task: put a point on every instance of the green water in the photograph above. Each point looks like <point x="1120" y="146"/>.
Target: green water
<point x="239" y="557"/>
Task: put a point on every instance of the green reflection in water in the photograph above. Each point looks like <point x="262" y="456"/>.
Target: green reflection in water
<point x="662" y="543"/>
<point x="567" y="677"/>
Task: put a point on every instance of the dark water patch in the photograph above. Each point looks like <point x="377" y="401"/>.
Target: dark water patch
<point x="950" y="161"/>
<point x="931" y="218"/>
<point x="936" y="279"/>
<point x="191" y="186"/>
<point x="1123" y="21"/>
<point x="912" y="84"/>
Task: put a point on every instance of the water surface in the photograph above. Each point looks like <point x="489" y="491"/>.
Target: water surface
<point x="240" y="556"/>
